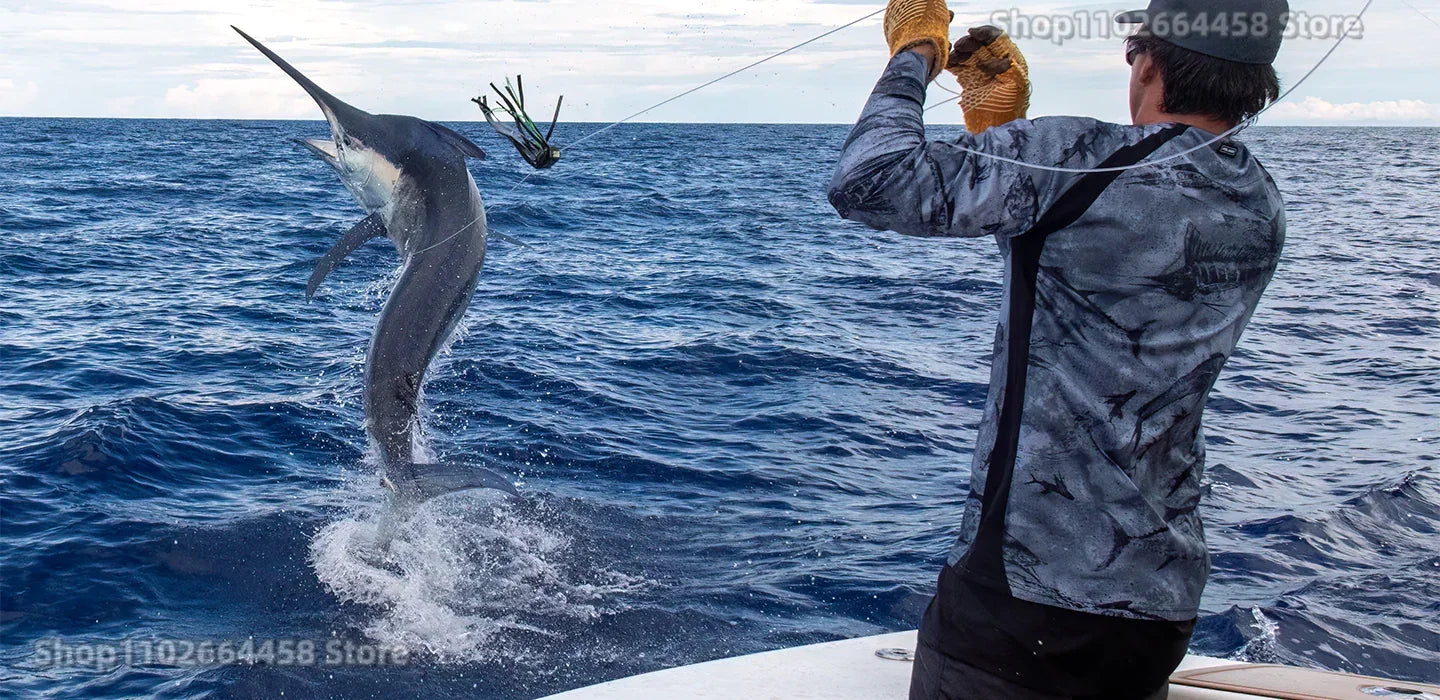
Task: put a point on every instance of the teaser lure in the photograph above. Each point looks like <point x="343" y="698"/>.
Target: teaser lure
<point x="533" y="145"/>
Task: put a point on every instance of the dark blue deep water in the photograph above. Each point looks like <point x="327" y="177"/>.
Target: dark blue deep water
<point x="742" y="423"/>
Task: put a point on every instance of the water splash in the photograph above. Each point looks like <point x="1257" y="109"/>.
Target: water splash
<point x="466" y="579"/>
<point x="1260" y="646"/>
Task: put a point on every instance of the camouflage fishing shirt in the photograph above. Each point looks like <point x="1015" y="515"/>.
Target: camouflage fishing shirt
<point x="1134" y="309"/>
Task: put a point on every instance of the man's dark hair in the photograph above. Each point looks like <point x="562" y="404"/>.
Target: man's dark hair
<point x="1200" y="84"/>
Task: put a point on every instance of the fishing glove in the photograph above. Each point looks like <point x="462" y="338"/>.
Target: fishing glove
<point x="910" y="23"/>
<point x="994" y="79"/>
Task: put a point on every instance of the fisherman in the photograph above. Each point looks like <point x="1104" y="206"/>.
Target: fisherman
<point x="1081" y="558"/>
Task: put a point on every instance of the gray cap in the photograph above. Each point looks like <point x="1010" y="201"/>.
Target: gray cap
<point x="1244" y="31"/>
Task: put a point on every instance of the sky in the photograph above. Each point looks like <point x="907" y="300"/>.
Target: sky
<point x="178" y="59"/>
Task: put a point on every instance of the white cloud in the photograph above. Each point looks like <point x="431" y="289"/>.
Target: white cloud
<point x="238" y="98"/>
<point x="178" y="58"/>
<point x="1314" y="110"/>
<point x="16" y="96"/>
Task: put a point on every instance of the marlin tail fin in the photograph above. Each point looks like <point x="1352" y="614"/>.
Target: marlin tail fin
<point x="417" y="483"/>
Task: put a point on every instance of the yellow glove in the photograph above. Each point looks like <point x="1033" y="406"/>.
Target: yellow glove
<point x="994" y="79"/>
<point x="909" y="23"/>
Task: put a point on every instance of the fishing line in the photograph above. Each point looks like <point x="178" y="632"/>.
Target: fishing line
<point x="731" y="74"/>
<point x="1344" y="34"/>
<point x="945" y="89"/>
<point x="662" y="103"/>
<point x="1419" y="12"/>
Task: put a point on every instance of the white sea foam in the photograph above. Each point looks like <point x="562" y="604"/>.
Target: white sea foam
<point x="1260" y="648"/>
<point x="464" y="577"/>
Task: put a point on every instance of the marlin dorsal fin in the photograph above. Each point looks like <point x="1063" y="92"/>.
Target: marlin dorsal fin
<point x="459" y="142"/>
<point x="368" y="228"/>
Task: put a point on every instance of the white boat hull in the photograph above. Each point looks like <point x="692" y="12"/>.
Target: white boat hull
<point x="850" y="669"/>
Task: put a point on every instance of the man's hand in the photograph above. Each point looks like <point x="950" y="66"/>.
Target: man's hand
<point x="913" y="23"/>
<point x="994" y="79"/>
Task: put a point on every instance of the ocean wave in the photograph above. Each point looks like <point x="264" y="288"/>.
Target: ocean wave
<point x="738" y="422"/>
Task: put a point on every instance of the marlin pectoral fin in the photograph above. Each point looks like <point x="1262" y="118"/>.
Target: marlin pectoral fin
<point x="368" y="228"/>
<point x="421" y="482"/>
<point x="460" y="143"/>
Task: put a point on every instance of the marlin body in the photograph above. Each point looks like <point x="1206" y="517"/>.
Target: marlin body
<point x="410" y="177"/>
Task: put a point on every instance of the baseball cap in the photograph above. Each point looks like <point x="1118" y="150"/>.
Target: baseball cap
<point x="1244" y="31"/>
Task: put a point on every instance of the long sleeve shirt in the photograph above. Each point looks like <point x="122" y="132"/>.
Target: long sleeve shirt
<point x="1135" y="308"/>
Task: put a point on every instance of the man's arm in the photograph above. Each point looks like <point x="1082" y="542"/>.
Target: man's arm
<point x="889" y="177"/>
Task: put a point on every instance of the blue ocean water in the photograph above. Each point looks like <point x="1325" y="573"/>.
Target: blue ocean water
<point x="741" y="423"/>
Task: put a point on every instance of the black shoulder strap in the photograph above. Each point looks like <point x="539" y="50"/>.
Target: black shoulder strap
<point x="1072" y="203"/>
<point x="984" y="560"/>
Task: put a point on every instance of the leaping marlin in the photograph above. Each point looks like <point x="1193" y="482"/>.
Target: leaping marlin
<point x="410" y="177"/>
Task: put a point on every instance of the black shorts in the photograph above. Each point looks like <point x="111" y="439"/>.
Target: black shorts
<point x="936" y="676"/>
<point x="976" y="642"/>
